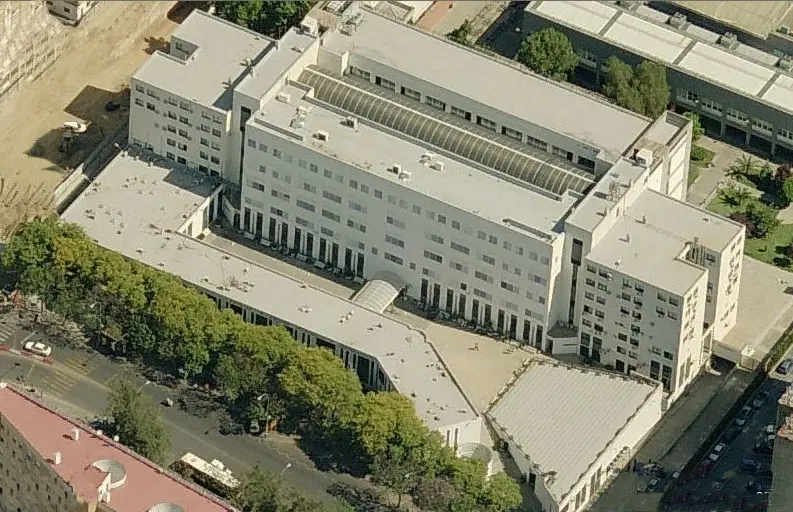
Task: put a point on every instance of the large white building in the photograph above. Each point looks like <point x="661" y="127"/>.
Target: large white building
<point x="515" y="202"/>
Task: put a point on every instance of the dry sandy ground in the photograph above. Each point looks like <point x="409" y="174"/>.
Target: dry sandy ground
<point x="98" y="58"/>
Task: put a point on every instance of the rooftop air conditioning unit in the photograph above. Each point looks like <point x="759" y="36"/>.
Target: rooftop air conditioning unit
<point x="405" y="175"/>
<point x="678" y="20"/>
<point x="282" y="97"/>
<point x="322" y="135"/>
<point x="784" y="29"/>
<point x="644" y="157"/>
<point x="351" y="122"/>
<point x="437" y="165"/>
<point x="786" y="63"/>
<point x="396" y="169"/>
<point x="728" y="40"/>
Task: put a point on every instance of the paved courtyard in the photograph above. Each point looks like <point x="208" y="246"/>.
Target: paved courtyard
<point x="703" y="189"/>
<point x="764" y="310"/>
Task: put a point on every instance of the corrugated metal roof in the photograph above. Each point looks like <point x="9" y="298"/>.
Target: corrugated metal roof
<point x="563" y="417"/>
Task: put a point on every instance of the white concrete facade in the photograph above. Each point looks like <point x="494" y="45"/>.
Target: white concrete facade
<point x="70" y="11"/>
<point x="349" y="151"/>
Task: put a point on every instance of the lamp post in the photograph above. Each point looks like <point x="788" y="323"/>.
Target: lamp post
<point x="101" y="318"/>
<point x="266" y="410"/>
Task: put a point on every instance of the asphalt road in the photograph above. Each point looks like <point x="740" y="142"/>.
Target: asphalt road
<point x="78" y="384"/>
<point x="725" y="479"/>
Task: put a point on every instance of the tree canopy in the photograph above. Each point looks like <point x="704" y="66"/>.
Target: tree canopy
<point x="697" y="131"/>
<point x="549" y="53"/>
<point x="266" y="17"/>
<point x="643" y="90"/>
<point x="259" y="370"/>
<point x="136" y="420"/>
<point x="262" y="491"/>
<point x="461" y="35"/>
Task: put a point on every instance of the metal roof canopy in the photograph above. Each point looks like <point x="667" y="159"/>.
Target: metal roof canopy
<point x="443" y="135"/>
<point x="376" y="295"/>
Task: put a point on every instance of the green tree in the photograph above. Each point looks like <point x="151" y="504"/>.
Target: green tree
<point x="501" y="494"/>
<point x="745" y="165"/>
<point x="469" y="475"/>
<point x="650" y="82"/>
<point x="378" y="418"/>
<point x="260" y="492"/>
<point x="321" y="390"/>
<point x="266" y="17"/>
<point x="137" y="422"/>
<point x="644" y="90"/>
<point x="436" y="494"/>
<point x="549" y="53"/>
<point x="787" y="190"/>
<point x="396" y="472"/>
<point x="461" y="34"/>
<point x="763" y="217"/>
<point x="696" y="126"/>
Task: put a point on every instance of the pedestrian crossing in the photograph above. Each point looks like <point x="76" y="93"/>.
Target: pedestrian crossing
<point x="6" y="332"/>
<point x="63" y="379"/>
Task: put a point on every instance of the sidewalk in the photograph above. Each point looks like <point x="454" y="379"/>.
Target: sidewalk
<point x="676" y="438"/>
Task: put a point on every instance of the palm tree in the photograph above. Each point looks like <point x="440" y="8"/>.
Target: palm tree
<point x="745" y="166"/>
<point x="734" y="196"/>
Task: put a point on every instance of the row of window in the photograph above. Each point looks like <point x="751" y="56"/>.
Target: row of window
<point x="183" y="105"/>
<point x="468" y="116"/>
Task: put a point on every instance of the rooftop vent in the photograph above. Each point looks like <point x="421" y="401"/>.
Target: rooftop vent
<point x="426" y="158"/>
<point x="351" y="122"/>
<point x="678" y="20"/>
<point x="56" y="459"/>
<point x="303" y="110"/>
<point x="75" y="434"/>
<point x="396" y="169"/>
<point x="322" y="135"/>
<point x="437" y="165"/>
<point x="786" y="63"/>
<point x="283" y="97"/>
<point x="784" y="29"/>
<point x="643" y="157"/>
<point x="729" y="40"/>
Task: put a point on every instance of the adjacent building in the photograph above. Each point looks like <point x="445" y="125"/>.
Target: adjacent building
<point x="741" y="93"/>
<point x="566" y="459"/>
<point x="510" y="207"/>
<point x="781" y="491"/>
<point x="51" y="463"/>
<point x="70" y="12"/>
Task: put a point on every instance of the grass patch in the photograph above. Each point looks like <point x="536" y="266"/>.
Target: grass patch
<point x="693" y="174"/>
<point x="701" y="156"/>
<point x="770" y="249"/>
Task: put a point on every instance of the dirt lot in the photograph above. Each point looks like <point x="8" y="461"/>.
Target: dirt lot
<point x="98" y="58"/>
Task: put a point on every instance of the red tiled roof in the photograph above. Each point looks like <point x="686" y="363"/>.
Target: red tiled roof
<point x="146" y="483"/>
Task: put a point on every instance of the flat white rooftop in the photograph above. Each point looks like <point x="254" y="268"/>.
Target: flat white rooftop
<point x="562" y="417"/>
<point x="375" y="151"/>
<point x="131" y="204"/>
<point x="647" y="241"/>
<point x="511" y="90"/>
<point x="222" y="48"/>
<point x="695" y="51"/>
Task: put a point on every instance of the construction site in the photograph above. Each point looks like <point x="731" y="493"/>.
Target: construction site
<point x="63" y="91"/>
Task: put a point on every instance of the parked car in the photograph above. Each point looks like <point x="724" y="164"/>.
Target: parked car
<point x="254" y="428"/>
<point x="785" y="367"/>
<point x="732" y="434"/>
<point x="654" y="485"/>
<point x="763" y="448"/>
<point x="760" y="399"/>
<point x="749" y="465"/>
<point x="717" y="451"/>
<point x="770" y="429"/>
<point x="744" y="415"/>
<point x="36" y="347"/>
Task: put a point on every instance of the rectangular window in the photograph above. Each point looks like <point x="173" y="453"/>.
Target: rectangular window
<point x="306" y="206"/>
<point x="395" y="222"/>
<point x="330" y="215"/>
<point x="170" y="142"/>
<point x="435" y="238"/>
<point x="215" y="160"/>
<point x="460" y="113"/>
<point x="394" y="241"/>
<point x="433" y="102"/>
<point x="537" y="143"/>
<point x="384" y="82"/>
<point x="483" y="276"/>
<point x="353" y="184"/>
<point x="358" y="207"/>
<point x="460" y="248"/>
<point x="392" y="258"/>
<point x="184" y="120"/>
<point x="486" y="123"/>
<point x="512" y="134"/>
<point x="432" y="256"/>
<point x="216" y="132"/>
<point x="360" y="73"/>
<point x="410" y="93"/>
<point x="331" y="196"/>
<point x="488" y="259"/>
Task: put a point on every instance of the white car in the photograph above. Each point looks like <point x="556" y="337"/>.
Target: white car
<point x="39" y="348"/>
<point x="717" y="451"/>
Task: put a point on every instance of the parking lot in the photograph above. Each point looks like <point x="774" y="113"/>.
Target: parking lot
<point x="735" y="473"/>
